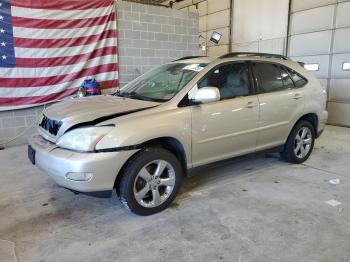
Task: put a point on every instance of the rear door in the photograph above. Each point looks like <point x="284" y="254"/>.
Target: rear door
<point x="281" y="102"/>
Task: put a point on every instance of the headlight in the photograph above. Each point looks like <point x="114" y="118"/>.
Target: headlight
<point x="83" y="139"/>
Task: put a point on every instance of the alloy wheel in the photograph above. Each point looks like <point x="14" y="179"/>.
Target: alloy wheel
<point x="303" y="142"/>
<point x="154" y="183"/>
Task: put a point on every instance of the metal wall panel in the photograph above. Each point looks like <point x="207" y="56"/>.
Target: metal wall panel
<point x="218" y="20"/>
<point x="202" y="8"/>
<point x="341" y="40"/>
<point x="316" y="36"/>
<point x="340" y="90"/>
<point x="273" y="24"/>
<point x="298" y="5"/>
<point x="246" y="47"/>
<point x="253" y="20"/>
<point x="215" y="5"/>
<point x="203" y="23"/>
<point x="312" y="20"/>
<point x="322" y="60"/>
<point x="339" y="113"/>
<point x="343" y="14"/>
<point x="337" y="66"/>
<point x="318" y="43"/>
<point x="274" y="46"/>
<point x="217" y="50"/>
<point x="257" y="29"/>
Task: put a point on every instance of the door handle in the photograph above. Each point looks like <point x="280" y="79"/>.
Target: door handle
<point x="251" y="105"/>
<point x="297" y="96"/>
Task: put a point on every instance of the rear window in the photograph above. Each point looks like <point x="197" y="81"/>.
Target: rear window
<point x="298" y="80"/>
<point x="269" y="77"/>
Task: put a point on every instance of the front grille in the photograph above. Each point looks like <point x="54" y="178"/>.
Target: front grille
<point x="52" y="126"/>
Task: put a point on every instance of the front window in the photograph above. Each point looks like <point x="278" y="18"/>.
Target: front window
<point x="231" y="79"/>
<point x="163" y="83"/>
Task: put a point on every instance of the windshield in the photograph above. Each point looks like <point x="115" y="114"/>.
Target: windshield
<point x="161" y="84"/>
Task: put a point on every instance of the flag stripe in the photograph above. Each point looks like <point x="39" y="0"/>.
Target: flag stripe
<point x="61" y="4"/>
<point x="60" y="52"/>
<point x="58" y="14"/>
<point x="61" y="24"/>
<point x="23" y="32"/>
<point x="13" y="101"/>
<point x="67" y="42"/>
<point x="69" y="60"/>
<point x="54" y="80"/>
<point x="55" y="70"/>
<point x="46" y="90"/>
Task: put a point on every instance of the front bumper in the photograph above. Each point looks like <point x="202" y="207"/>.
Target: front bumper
<point x="58" y="162"/>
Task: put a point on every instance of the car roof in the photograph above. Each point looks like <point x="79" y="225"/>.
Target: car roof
<point x="241" y="56"/>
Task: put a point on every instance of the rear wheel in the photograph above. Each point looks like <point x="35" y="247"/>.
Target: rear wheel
<point x="300" y="143"/>
<point x="150" y="182"/>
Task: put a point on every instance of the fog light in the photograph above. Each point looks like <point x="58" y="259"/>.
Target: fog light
<point x="79" y="176"/>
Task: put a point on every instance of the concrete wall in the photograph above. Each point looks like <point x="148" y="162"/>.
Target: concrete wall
<point x="148" y="36"/>
<point x="320" y="34"/>
<point x="151" y="35"/>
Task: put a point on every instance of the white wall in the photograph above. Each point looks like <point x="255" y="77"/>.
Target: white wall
<point x="260" y="25"/>
<point x="255" y="27"/>
<point x="320" y="33"/>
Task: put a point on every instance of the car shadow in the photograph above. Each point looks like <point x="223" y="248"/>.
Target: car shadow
<point x="226" y="171"/>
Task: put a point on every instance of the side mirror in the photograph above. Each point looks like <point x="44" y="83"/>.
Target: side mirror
<point x="207" y="95"/>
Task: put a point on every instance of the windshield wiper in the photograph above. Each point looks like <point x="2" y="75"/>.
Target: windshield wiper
<point x="134" y="95"/>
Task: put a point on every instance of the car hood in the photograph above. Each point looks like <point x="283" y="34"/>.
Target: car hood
<point x="92" y="110"/>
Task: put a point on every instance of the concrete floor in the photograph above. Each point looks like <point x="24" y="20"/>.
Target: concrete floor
<point x="255" y="209"/>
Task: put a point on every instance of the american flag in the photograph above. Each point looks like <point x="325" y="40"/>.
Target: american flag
<point x="49" y="47"/>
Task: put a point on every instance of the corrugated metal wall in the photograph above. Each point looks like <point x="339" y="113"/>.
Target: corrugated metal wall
<point x="320" y="34"/>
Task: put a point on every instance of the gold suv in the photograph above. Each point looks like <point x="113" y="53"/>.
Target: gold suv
<point x="191" y="112"/>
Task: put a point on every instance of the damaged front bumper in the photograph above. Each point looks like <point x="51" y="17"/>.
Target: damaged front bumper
<point x="80" y="172"/>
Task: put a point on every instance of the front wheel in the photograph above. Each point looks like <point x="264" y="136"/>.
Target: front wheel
<point x="300" y="143"/>
<point x="150" y="181"/>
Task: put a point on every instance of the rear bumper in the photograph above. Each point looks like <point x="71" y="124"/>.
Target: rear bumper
<point x="58" y="162"/>
<point x="322" y="123"/>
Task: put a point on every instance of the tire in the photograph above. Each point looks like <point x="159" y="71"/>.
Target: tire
<point x="292" y="153"/>
<point x="143" y="177"/>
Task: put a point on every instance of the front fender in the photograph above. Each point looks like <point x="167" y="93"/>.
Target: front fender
<point x="133" y="131"/>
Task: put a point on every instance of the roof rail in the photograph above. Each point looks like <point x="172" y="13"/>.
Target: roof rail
<point x="238" y="54"/>
<point x="188" y="57"/>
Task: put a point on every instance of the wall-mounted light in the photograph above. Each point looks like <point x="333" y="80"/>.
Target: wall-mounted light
<point x="346" y="66"/>
<point x="312" y="67"/>
<point x="215" y="37"/>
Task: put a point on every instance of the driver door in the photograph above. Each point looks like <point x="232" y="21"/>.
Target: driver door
<point x="225" y="128"/>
